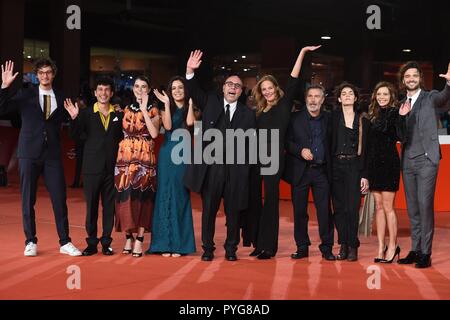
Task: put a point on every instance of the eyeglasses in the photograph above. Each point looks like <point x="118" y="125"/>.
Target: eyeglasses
<point x="231" y="84"/>
<point x="41" y="73"/>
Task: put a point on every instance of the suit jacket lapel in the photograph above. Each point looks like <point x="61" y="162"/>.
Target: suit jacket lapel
<point x="236" y="115"/>
<point x="304" y="124"/>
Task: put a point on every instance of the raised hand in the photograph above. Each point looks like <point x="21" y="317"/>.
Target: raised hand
<point x="191" y="103"/>
<point x="447" y="75"/>
<point x="143" y="102"/>
<point x="310" y="48"/>
<point x="72" y="109"/>
<point x="163" y="97"/>
<point x="298" y="64"/>
<point x="405" y="108"/>
<point x="7" y="74"/>
<point x="194" y="61"/>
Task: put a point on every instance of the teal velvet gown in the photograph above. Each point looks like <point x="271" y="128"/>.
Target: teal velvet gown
<point x="172" y="226"/>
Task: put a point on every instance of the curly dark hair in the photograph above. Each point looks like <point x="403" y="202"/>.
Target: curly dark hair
<point x="342" y="86"/>
<point x="45" y="62"/>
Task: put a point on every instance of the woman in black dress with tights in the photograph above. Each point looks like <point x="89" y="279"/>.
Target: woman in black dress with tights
<point x="272" y="113"/>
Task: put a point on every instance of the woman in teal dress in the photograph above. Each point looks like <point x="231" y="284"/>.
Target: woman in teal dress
<point x="172" y="226"/>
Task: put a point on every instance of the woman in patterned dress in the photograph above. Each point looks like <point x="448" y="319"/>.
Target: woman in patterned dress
<point x="135" y="172"/>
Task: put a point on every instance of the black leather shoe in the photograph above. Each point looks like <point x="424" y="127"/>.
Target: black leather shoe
<point x="89" y="251"/>
<point x="255" y="253"/>
<point x="107" y="251"/>
<point x="412" y="257"/>
<point x="300" y="254"/>
<point x="343" y="252"/>
<point x="264" y="255"/>
<point x="424" y="261"/>
<point x="329" y="256"/>
<point x="352" y="254"/>
<point x="207" y="256"/>
<point x="231" y="257"/>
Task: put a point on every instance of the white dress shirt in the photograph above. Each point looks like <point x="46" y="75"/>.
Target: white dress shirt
<point x="414" y="98"/>
<point x="53" y="102"/>
<point x="232" y="105"/>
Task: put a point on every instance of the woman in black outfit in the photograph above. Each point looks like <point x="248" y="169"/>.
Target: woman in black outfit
<point x="349" y="168"/>
<point x="384" y="166"/>
<point x="272" y="113"/>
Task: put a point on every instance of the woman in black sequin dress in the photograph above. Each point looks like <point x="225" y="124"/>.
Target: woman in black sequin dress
<point x="384" y="166"/>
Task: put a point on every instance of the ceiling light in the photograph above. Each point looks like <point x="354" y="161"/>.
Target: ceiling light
<point x="406" y="50"/>
<point x="234" y="60"/>
<point x="243" y="57"/>
<point x="325" y="37"/>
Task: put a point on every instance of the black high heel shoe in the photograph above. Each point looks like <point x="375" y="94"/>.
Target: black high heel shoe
<point x="128" y="251"/>
<point x="138" y="254"/>
<point x="396" y="253"/>
<point x="378" y="260"/>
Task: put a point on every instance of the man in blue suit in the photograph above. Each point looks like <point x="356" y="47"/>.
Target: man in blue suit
<point x="39" y="149"/>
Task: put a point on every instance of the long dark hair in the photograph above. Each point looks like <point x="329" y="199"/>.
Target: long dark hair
<point x="374" y="108"/>
<point x="173" y="106"/>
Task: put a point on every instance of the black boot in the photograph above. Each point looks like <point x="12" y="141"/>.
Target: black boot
<point x="343" y="252"/>
<point x="352" y="254"/>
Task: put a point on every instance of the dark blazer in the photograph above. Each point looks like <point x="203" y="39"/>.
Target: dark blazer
<point x="299" y="137"/>
<point x="424" y="109"/>
<point x="36" y="133"/>
<point x="336" y="117"/>
<point x="212" y="106"/>
<point x="100" y="148"/>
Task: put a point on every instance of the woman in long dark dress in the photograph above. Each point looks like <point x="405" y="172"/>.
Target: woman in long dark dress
<point x="384" y="166"/>
<point x="349" y="168"/>
<point x="273" y="112"/>
<point x="172" y="225"/>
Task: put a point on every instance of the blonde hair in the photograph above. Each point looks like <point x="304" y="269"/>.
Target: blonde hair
<point x="261" y="102"/>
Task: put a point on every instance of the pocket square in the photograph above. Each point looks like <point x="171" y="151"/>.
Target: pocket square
<point x="115" y="119"/>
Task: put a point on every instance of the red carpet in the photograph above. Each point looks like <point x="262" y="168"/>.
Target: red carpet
<point x="155" y="277"/>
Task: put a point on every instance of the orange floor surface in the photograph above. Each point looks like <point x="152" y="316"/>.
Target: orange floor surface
<point x="50" y="274"/>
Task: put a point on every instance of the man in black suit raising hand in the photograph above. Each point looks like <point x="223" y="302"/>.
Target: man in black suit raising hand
<point x="102" y="127"/>
<point x="39" y="149"/>
<point x="215" y="181"/>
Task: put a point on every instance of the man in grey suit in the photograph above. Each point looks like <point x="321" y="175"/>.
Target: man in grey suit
<point x="420" y="158"/>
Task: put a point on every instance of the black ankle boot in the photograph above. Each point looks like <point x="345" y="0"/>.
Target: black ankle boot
<point x="343" y="252"/>
<point x="352" y="254"/>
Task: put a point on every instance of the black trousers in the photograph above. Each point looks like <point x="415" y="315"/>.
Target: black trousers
<point x="215" y="188"/>
<point x="96" y="186"/>
<point x="346" y="200"/>
<point x="269" y="220"/>
<point x="315" y="179"/>
<point x="53" y="172"/>
<point x="79" y="149"/>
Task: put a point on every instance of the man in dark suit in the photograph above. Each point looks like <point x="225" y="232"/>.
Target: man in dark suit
<point x="308" y="166"/>
<point x="219" y="180"/>
<point x="421" y="154"/>
<point x="102" y="127"/>
<point x="39" y="149"/>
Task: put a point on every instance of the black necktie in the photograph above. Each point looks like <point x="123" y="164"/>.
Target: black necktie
<point x="409" y="102"/>
<point x="227" y="115"/>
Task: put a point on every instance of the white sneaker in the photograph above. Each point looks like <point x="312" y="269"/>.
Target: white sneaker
<point x="30" y="250"/>
<point x="70" y="249"/>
